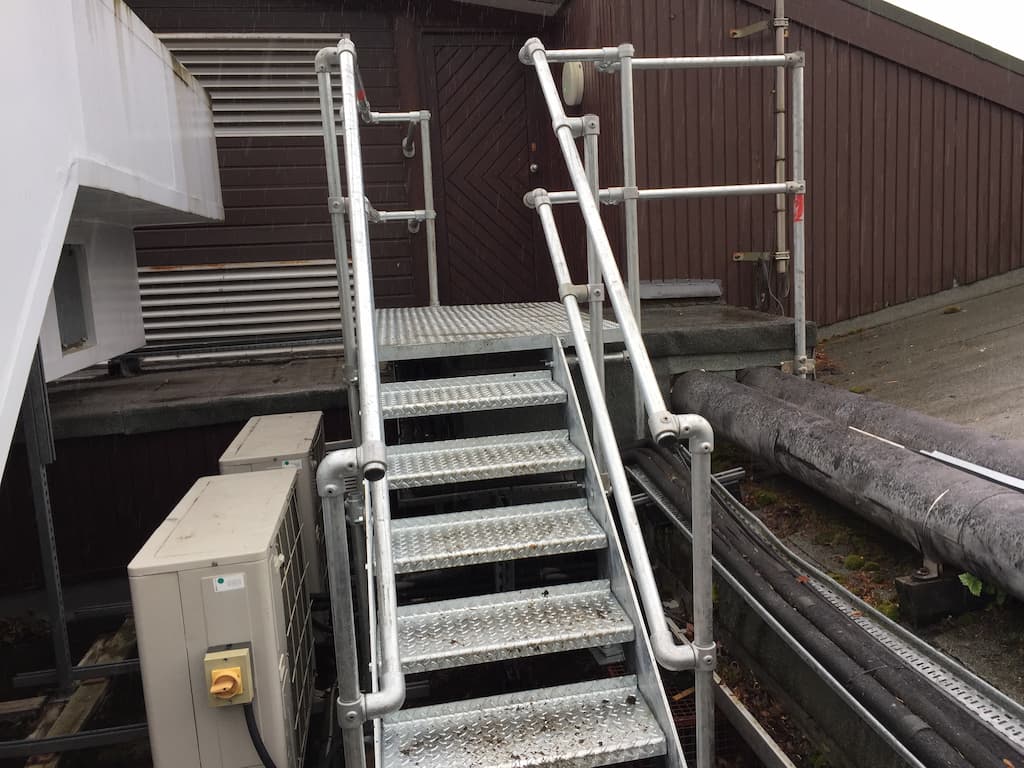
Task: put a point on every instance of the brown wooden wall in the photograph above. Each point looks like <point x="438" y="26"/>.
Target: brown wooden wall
<point x="915" y="163"/>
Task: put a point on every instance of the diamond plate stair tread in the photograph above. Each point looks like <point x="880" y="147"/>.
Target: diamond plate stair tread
<point x="494" y="535"/>
<point x="469" y="393"/>
<point x="585" y="725"/>
<point x="482" y="458"/>
<point x="510" y="625"/>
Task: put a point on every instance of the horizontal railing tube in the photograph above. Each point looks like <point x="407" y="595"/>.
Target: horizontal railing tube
<point x="669" y="654"/>
<point x="712" y="62"/>
<point x="395" y="117"/>
<point x="615" y="195"/>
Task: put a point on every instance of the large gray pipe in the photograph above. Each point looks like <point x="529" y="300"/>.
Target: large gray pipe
<point x="948" y="515"/>
<point x="910" y="428"/>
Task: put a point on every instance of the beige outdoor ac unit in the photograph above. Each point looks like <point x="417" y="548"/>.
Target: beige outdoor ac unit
<point x="288" y="440"/>
<point x="223" y="620"/>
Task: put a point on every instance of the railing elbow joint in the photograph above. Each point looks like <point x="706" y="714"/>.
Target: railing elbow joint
<point x="325" y="57"/>
<point x="535" y="198"/>
<point x="796" y="59"/>
<point x="368" y="460"/>
<point x="677" y="658"/>
<point x="624" y="51"/>
<point x="697" y="430"/>
<point x="529" y="48"/>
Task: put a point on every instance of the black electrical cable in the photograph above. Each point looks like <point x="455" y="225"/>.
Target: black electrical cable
<point x="962" y="731"/>
<point x="254" y="735"/>
<point x="922" y="740"/>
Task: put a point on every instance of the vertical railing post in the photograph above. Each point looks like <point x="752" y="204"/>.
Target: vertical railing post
<point x="355" y="518"/>
<point x="428" y="205"/>
<point x="630" y="200"/>
<point x="336" y="206"/>
<point x="591" y="134"/>
<point x="703" y="605"/>
<point x="343" y="621"/>
<point x="781" y="200"/>
<point x="800" y="366"/>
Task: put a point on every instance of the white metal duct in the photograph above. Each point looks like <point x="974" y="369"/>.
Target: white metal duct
<point x="259" y="85"/>
<point x="207" y="304"/>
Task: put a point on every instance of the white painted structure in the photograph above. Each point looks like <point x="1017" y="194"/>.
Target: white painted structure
<point x="103" y="131"/>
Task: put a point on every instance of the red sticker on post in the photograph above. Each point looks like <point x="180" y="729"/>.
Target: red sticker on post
<point x="798" y="208"/>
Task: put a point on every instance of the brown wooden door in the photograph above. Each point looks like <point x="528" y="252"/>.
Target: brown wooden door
<point x="484" y="146"/>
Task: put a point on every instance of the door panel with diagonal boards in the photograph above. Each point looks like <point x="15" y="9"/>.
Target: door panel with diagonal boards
<point x="482" y="131"/>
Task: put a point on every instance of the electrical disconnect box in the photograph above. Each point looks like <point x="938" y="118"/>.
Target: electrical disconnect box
<point x="288" y="440"/>
<point x="223" y="622"/>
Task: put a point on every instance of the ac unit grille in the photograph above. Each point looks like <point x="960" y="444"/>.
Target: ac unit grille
<point x="298" y="625"/>
<point x="317" y="452"/>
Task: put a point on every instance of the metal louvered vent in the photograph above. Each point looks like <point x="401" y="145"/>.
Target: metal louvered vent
<point x="298" y="625"/>
<point x="206" y="304"/>
<point x="260" y="85"/>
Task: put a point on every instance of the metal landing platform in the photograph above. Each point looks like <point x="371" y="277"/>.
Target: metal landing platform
<point x="414" y="333"/>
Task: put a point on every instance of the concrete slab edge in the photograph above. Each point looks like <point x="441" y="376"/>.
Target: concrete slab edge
<point x="925" y="304"/>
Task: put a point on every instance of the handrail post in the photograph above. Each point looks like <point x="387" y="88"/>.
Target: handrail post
<point x="630" y="203"/>
<point x="343" y="622"/>
<point x="428" y="205"/>
<point x="337" y="210"/>
<point x="703" y="605"/>
<point x="800" y="366"/>
<point x="591" y="135"/>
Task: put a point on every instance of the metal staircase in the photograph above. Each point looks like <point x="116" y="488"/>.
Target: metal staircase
<point x="558" y="513"/>
<point x="593" y="722"/>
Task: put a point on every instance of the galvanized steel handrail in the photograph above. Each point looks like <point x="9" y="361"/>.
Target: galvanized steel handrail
<point x="367" y="460"/>
<point x="700" y="655"/>
<point x="622" y="59"/>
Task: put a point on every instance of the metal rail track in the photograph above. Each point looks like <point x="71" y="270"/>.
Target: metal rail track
<point x="974" y="696"/>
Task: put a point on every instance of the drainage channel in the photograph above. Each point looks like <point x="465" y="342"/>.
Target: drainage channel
<point x="969" y="695"/>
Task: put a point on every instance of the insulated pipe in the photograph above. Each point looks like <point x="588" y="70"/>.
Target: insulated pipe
<point x="948" y="515"/>
<point x="901" y="425"/>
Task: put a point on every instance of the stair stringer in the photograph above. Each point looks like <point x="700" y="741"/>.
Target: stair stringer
<point x="639" y="654"/>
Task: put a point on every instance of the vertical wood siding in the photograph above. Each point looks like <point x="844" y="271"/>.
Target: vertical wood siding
<point x="914" y="183"/>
